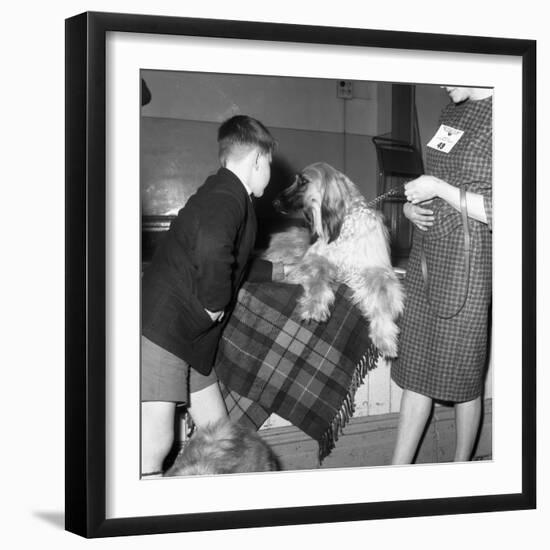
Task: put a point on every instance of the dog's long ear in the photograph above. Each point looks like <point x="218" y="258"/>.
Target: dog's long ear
<point x="310" y="221"/>
<point x="333" y="207"/>
<point x="315" y="220"/>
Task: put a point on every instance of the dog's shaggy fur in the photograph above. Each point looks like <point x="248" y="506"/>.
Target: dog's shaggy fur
<point x="350" y="245"/>
<point x="224" y="448"/>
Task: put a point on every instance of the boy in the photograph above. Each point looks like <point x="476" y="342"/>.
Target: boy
<point x="192" y="283"/>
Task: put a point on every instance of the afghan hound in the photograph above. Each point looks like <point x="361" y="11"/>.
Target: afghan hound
<point x="225" y="447"/>
<point x="347" y="243"/>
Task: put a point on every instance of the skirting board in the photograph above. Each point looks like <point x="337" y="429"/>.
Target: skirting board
<point x="369" y="441"/>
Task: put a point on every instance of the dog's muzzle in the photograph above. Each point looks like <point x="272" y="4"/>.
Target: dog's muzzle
<point x="278" y="205"/>
<point x="291" y="198"/>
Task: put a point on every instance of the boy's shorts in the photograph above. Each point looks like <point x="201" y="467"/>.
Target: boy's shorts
<point x="165" y="377"/>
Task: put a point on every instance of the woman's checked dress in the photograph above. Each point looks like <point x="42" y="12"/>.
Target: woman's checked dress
<point x="446" y="359"/>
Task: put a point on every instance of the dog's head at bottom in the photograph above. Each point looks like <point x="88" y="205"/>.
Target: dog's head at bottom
<point x="224" y="448"/>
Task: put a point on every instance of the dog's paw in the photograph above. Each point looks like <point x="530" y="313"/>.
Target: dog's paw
<point x="387" y="349"/>
<point x="312" y="311"/>
<point x="383" y="334"/>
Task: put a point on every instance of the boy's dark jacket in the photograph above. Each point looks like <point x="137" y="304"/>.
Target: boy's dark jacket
<point x="200" y="263"/>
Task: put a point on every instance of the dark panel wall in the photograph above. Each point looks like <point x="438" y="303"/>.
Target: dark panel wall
<point x="177" y="155"/>
<point x="310" y="121"/>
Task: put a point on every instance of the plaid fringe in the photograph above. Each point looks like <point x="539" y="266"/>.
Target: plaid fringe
<point x="330" y="437"/>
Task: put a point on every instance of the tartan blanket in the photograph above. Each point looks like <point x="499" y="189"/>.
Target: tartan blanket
<point x="269" y="361"/>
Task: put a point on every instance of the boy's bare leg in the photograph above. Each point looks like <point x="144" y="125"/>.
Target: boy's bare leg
<point x="207" y="406"/>
<point x="157" y="435"/>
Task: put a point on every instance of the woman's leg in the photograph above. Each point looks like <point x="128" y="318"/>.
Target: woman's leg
<point x="467" y="418"/>
<point x="414" y="413"/>
<point x="157" y="435"/>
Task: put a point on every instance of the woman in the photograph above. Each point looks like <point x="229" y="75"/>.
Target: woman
<point x="444" y="329"/>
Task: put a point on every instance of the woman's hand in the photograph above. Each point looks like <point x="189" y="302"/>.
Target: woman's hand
<point x="421" y="217"/>
<point x="426" y="188"/>
<point x="423" y="188"/>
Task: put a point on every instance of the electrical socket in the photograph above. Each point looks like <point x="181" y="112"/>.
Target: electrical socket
<point x="344" y="89"/>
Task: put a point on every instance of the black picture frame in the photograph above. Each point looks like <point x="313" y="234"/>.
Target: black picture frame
<point x="86" y="269"/>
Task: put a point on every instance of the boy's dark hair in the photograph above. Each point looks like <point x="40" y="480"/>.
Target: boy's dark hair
<point x="243" y="131"/>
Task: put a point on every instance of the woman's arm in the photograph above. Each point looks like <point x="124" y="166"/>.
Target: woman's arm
<point x="474" y="201"/>
<point x="426" y="188"/>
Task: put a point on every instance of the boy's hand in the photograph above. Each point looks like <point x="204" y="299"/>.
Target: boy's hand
<point x="280" y="271"/>
<point x="287" y="268"/>
<point x="215" y="315"/>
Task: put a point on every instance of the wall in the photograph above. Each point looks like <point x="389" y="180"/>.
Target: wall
<point x="430" y="100"/>
<point x="179" y="125"/>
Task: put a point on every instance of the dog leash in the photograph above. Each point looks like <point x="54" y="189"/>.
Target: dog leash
<point x="424" y="263"/>
<point x="390" y="193"/>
